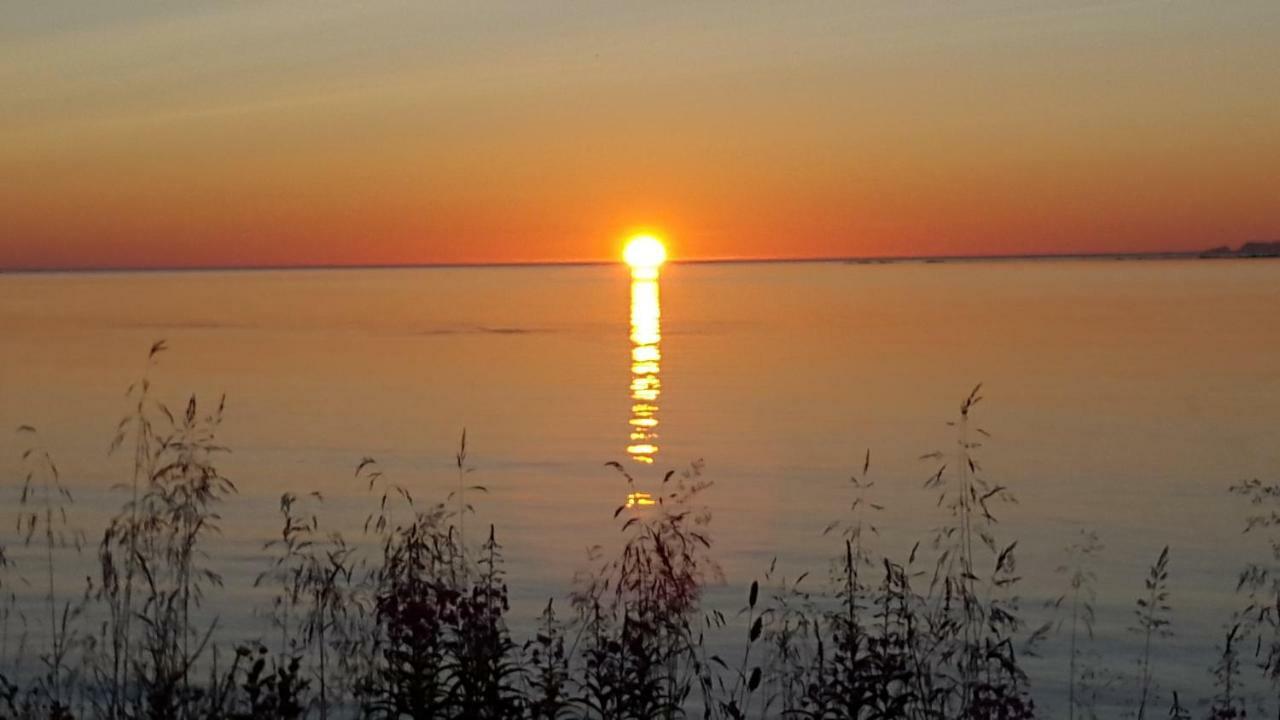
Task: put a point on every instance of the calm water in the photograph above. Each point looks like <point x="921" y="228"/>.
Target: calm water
<point x="1122" y="397"/>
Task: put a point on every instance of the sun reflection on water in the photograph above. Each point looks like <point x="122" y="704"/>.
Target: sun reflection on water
<point x="646" y="358"/>
<point x="640" y="499"/>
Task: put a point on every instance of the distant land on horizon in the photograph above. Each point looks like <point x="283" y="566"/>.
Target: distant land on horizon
<point x="1251" y="249"/>
<point x="1259" y="248"/>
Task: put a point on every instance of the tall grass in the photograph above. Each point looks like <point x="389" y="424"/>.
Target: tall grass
<point x="1153" y="624"/>
<point x="43" y="514"/>
<point x="637" y="635"/>
<point x="1076" y="617"/>
<point x="1260" y="618"/>
<point x="411" y="620"/>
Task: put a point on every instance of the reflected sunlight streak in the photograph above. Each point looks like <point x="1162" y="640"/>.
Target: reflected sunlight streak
<point x="646" y="332"/>
<point x="640" y="499"/>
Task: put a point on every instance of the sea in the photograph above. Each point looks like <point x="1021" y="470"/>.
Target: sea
<point x="1120" y="398"/>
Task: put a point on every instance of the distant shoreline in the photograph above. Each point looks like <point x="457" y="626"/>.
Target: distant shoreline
<point x="1214" y="254"/>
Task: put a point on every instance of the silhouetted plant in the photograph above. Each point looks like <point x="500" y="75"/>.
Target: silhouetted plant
<point x="10" y="615"/>
<point x="1153" y="623"/>
<point x="967" y="632"/>
<point x="485" y="672"/>
<point x="635" y="611"/>
<point x="442" y="648"/>
<point x="331" y="602"/>
<point x="1261" y="616"/>
<point x="417" y="597"/>
<point x="1227" y="703"/>
<point x="313" y="576"/>
<point x="732" y="696"/>
<point x="43" y="511"/>
<point x="259" y="688"/>
<point x="1176" y="709"/>
<point x="121" y="536"/>
<point x="153" y="547"/>
<point x="417" y="626"/>
<point x="459" y="496"/>
<point x="547" y="672"/>
<point x="1075" y="615"/>
<point x="791" y="631"/>
<point x="291" y="570"/>
<point x="178" y="511"/>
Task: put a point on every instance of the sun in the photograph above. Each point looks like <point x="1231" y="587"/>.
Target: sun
<point x="645" y="254"/>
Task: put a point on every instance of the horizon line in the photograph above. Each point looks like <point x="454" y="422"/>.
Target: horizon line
<point x="874" y="259"/>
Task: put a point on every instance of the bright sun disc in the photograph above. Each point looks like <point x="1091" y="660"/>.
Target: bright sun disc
<point x="644" y="251"/>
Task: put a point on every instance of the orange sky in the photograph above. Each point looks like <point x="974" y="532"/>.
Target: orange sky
<point x="142" y="134"/>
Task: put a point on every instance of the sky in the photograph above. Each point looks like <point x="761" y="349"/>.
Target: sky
<point x="136" y="133"/>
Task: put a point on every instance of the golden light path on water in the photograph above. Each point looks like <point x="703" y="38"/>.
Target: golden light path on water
<point x="645" y="254"/>
<point x="646" y="359"/>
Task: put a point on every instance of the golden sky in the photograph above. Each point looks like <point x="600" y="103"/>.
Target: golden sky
<point x="145" y="134"/>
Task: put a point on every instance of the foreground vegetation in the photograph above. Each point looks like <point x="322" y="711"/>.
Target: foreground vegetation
<point x="417" y="627"/>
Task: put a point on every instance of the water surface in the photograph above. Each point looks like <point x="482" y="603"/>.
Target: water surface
<point x="1121" y="396"/>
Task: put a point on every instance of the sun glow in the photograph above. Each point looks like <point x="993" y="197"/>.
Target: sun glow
<point x="640" y="499"/>
<point x="645" y="254"/>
